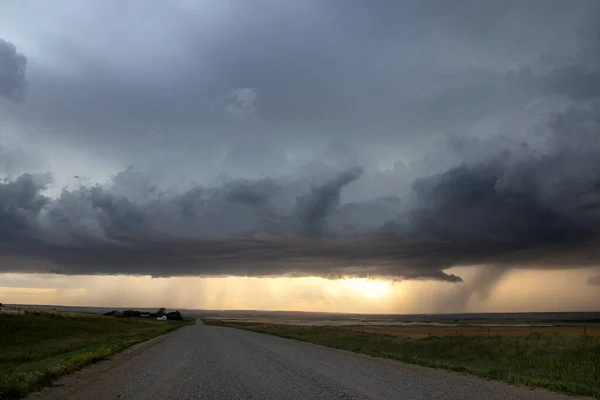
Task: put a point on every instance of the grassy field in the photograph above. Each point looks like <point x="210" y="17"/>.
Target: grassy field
<point x="427" y="330"/>
<point x="562" y="362"/>
<point x="421" y="331"/>
<point x="38" y="347"/>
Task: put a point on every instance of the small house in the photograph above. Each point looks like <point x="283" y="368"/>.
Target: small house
<point x="163" y="318"/>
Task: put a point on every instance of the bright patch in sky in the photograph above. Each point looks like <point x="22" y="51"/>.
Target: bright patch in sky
<point x="369" y="289"/>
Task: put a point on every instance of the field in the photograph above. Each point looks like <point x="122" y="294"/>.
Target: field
<point x="36" y="347"/>
<point x="558" y="359"/>
<point x="480" y="330"/>
<point x="421" y="331"/>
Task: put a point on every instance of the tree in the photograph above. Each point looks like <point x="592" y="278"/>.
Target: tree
<point x="175" y="315"/>
<point x="161" y="311"/>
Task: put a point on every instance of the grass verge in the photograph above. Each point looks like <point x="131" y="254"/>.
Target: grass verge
<point x="37" y="348"/>
<point x="564" y="363"/>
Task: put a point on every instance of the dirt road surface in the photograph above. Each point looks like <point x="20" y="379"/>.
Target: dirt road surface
<point x="209" y="362"/>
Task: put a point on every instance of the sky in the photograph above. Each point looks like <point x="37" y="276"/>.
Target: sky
<point x="381" y="156"/>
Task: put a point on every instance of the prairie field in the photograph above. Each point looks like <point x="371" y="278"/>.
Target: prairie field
<point x="558" y="358"/>
<point x="479" y="330"/>
<point x="37" y="347"/>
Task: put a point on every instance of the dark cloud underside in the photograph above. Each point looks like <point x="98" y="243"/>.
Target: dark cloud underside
<point x="510" y="91"/>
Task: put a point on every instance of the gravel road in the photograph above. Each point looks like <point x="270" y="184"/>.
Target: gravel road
<point x="206" y="362"/>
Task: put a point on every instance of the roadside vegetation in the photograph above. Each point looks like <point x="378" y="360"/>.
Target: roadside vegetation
<point x="38" y="347"/>
<point x="561" y="362"/>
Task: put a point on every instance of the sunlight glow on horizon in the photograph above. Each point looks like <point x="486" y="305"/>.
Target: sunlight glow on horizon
<point x="517" y="291"/>
<point x="369" y="288"/>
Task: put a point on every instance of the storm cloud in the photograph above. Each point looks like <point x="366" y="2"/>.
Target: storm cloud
<point x="520" y="209"/>
<point x="13" y="84"/>
<point x="314" y="208"/>
<point x="354" y="142"/>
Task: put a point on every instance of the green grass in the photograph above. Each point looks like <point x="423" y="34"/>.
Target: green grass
<point x="36" y="348"/>
<point x="564" y="363"/>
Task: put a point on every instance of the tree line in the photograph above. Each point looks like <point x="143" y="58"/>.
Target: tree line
<point x="172" y="315"/>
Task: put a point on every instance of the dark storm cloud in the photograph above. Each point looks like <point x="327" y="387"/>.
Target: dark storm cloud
<point x="520" y="209"/>
<point x="527" y="201"/>
<point x="13" y="84"/>
<point x="247" y="193"/>
<point x="511" y="206"/>
<point x="290" y="256"/>
<point x="314" y="207"/>
<point x="21" y="203"/>
<point x="361" y="73"/>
